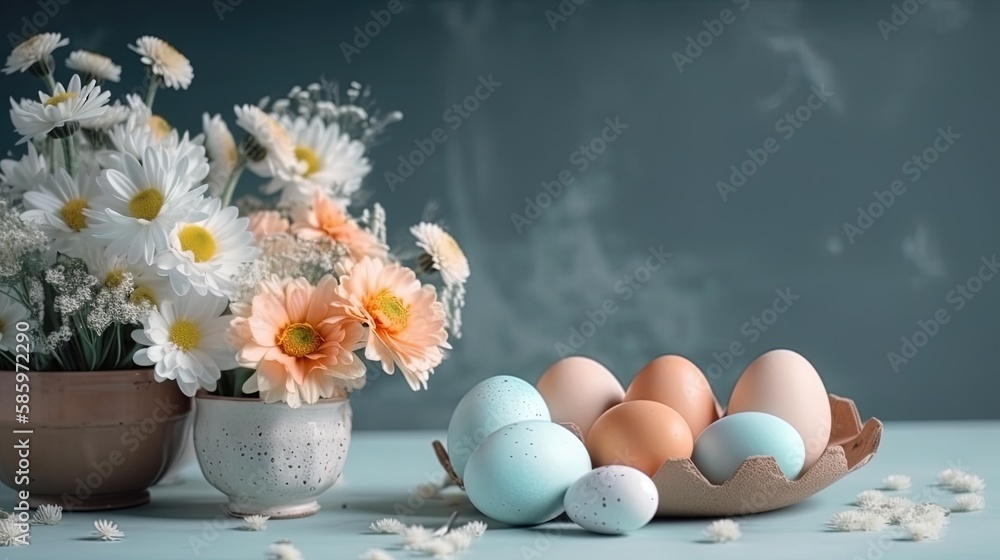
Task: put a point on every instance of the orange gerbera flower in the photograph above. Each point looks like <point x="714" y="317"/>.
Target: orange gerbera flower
<point x="325" y="219"/>
<point x="301" y="347"/>
<point x="406" y="322"/>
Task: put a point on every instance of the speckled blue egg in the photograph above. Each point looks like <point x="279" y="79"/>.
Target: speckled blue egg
<point x="492" y="404"/>
<point x="520" y="474"/>
<point x="726" y="443"/>
<point x="613" y="500"/>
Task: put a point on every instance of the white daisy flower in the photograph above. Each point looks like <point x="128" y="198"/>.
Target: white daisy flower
<point x="13" y="533"/>
<point x="221" y="150"/>
<point x="328" y="160"/>
<point x="164" y="61"/>
<point x="57" y="207"/>
<point x="141" y="204"/>
<point x="110" y="270"/>
<point x="36" y="48"/>
<point x="271" y="151"/>
<point x="722" y="531"/>
<point x="94" y="65"/>
<point x="11" y="313"/>
<point x="255" y="522"/>
<point x="113" y="115"/>
<point x="442" y="253"/>
<point x="205" y="255"/>
<point x="61" y="113"/>
<point x="143" y="129"/>
<point x="47" y="514"/>
<point x="107" y="531"/>
<point x="186" y="342"/>
<point x="23" y="174"/>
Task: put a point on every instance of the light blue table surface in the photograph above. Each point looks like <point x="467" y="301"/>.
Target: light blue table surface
<point x="384" y="468"/>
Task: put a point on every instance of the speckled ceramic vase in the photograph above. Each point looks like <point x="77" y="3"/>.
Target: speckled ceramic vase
<point x="271" y="459"/>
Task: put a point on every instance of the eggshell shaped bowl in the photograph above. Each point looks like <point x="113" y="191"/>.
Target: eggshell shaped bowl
<point x="759" y="484"/>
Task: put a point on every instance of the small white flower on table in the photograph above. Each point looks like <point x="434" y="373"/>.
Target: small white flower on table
<point x="723" y="530"/>
<point x="47" y="514"/>
<point x="255" y="522"/>
<point x="107" y="531"/>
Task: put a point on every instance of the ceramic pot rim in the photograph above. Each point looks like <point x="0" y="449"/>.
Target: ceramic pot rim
<point x="204" y="396"/>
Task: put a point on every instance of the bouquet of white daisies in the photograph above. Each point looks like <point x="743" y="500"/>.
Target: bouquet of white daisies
<point x="119" y="246"/>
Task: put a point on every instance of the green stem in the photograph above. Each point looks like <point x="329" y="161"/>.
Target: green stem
<point x="67" y="144"/>
<point x="50" y="82"/>
<point x="234" y="177"/>
<point x="154" y="83"/>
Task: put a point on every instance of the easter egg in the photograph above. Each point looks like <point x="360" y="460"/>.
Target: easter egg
<point x="613" y="500"/>
<point x="725" y="444"/>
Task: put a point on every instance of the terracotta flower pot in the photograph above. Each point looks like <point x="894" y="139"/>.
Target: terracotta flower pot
<point x="271" y="459"/>
<point x="99" y="439"/>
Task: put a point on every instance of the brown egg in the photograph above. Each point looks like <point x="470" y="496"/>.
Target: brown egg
<point x="579" y="390"/>
<point x="785" y="384"/>
<point x="676" y="382"/>
<point x="640" y="434"/>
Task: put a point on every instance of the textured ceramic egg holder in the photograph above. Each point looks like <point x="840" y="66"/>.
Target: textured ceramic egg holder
<point x="758" y="485"/>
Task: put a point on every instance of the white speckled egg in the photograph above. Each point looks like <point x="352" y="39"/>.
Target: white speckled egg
<point x="613" y="500"/>
<point x="520" y="474"/>
<point x="492" y="404"/>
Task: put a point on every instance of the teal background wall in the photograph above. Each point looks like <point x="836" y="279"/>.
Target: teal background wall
<point x="854" y="297"/>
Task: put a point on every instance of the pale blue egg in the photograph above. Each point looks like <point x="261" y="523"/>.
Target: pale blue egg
<point x="520" y="474"/>
<point x="726" y="443"/>
<point x="613" y="500"/>
<point x="492" y="404"/>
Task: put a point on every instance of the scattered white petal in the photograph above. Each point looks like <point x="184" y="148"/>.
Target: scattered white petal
<point x="107" y="531"/>
<point x="388" y="525"/>
<point x="12" y="533"/>
<point x="922" y="512"/>
<point x="375" y="554"/>
<point x="473" y="528"/>
<point x="47" y="514"/>
<point x="459" y="540"/>
<point x="948" y="476"/>
<point x="896" y="482"/>
<point x="923" y="529"/>
<point x="967" y="483"/>
<point x="969" y="502"/>
<point x="283" y="550"/>
<point x="438" y="548"/>
<point x="415" y="535"/>
<point x="870" y="498"/>
<point x="723" y="530"/>
<point x="255" y="522"/>
<point x="858" y="520"/>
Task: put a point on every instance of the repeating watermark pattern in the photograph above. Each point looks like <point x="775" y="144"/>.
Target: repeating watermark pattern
<point x="562" y="13"/>
<point x="696" y="44"/>
<point x="364" y="34"/>
<point x="752" y="330"/>
<point x="625" y="289"/>
<point x="22" y="437"/>
<point x="131" y="441"/>
<point x="899" y="15"/>
<point x="222" y="7"/>
<point x="914" y="168"/>
<point x="581" y="160"/>
<point x="957" y="298"/>
<point x="453" y="117"/>
<point x="786" y="126"/>
<point x="34" y="23"/>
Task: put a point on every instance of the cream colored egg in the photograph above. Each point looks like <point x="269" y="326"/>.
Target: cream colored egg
<point x="786" y="385"/>
<point x="579" y="390"/>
